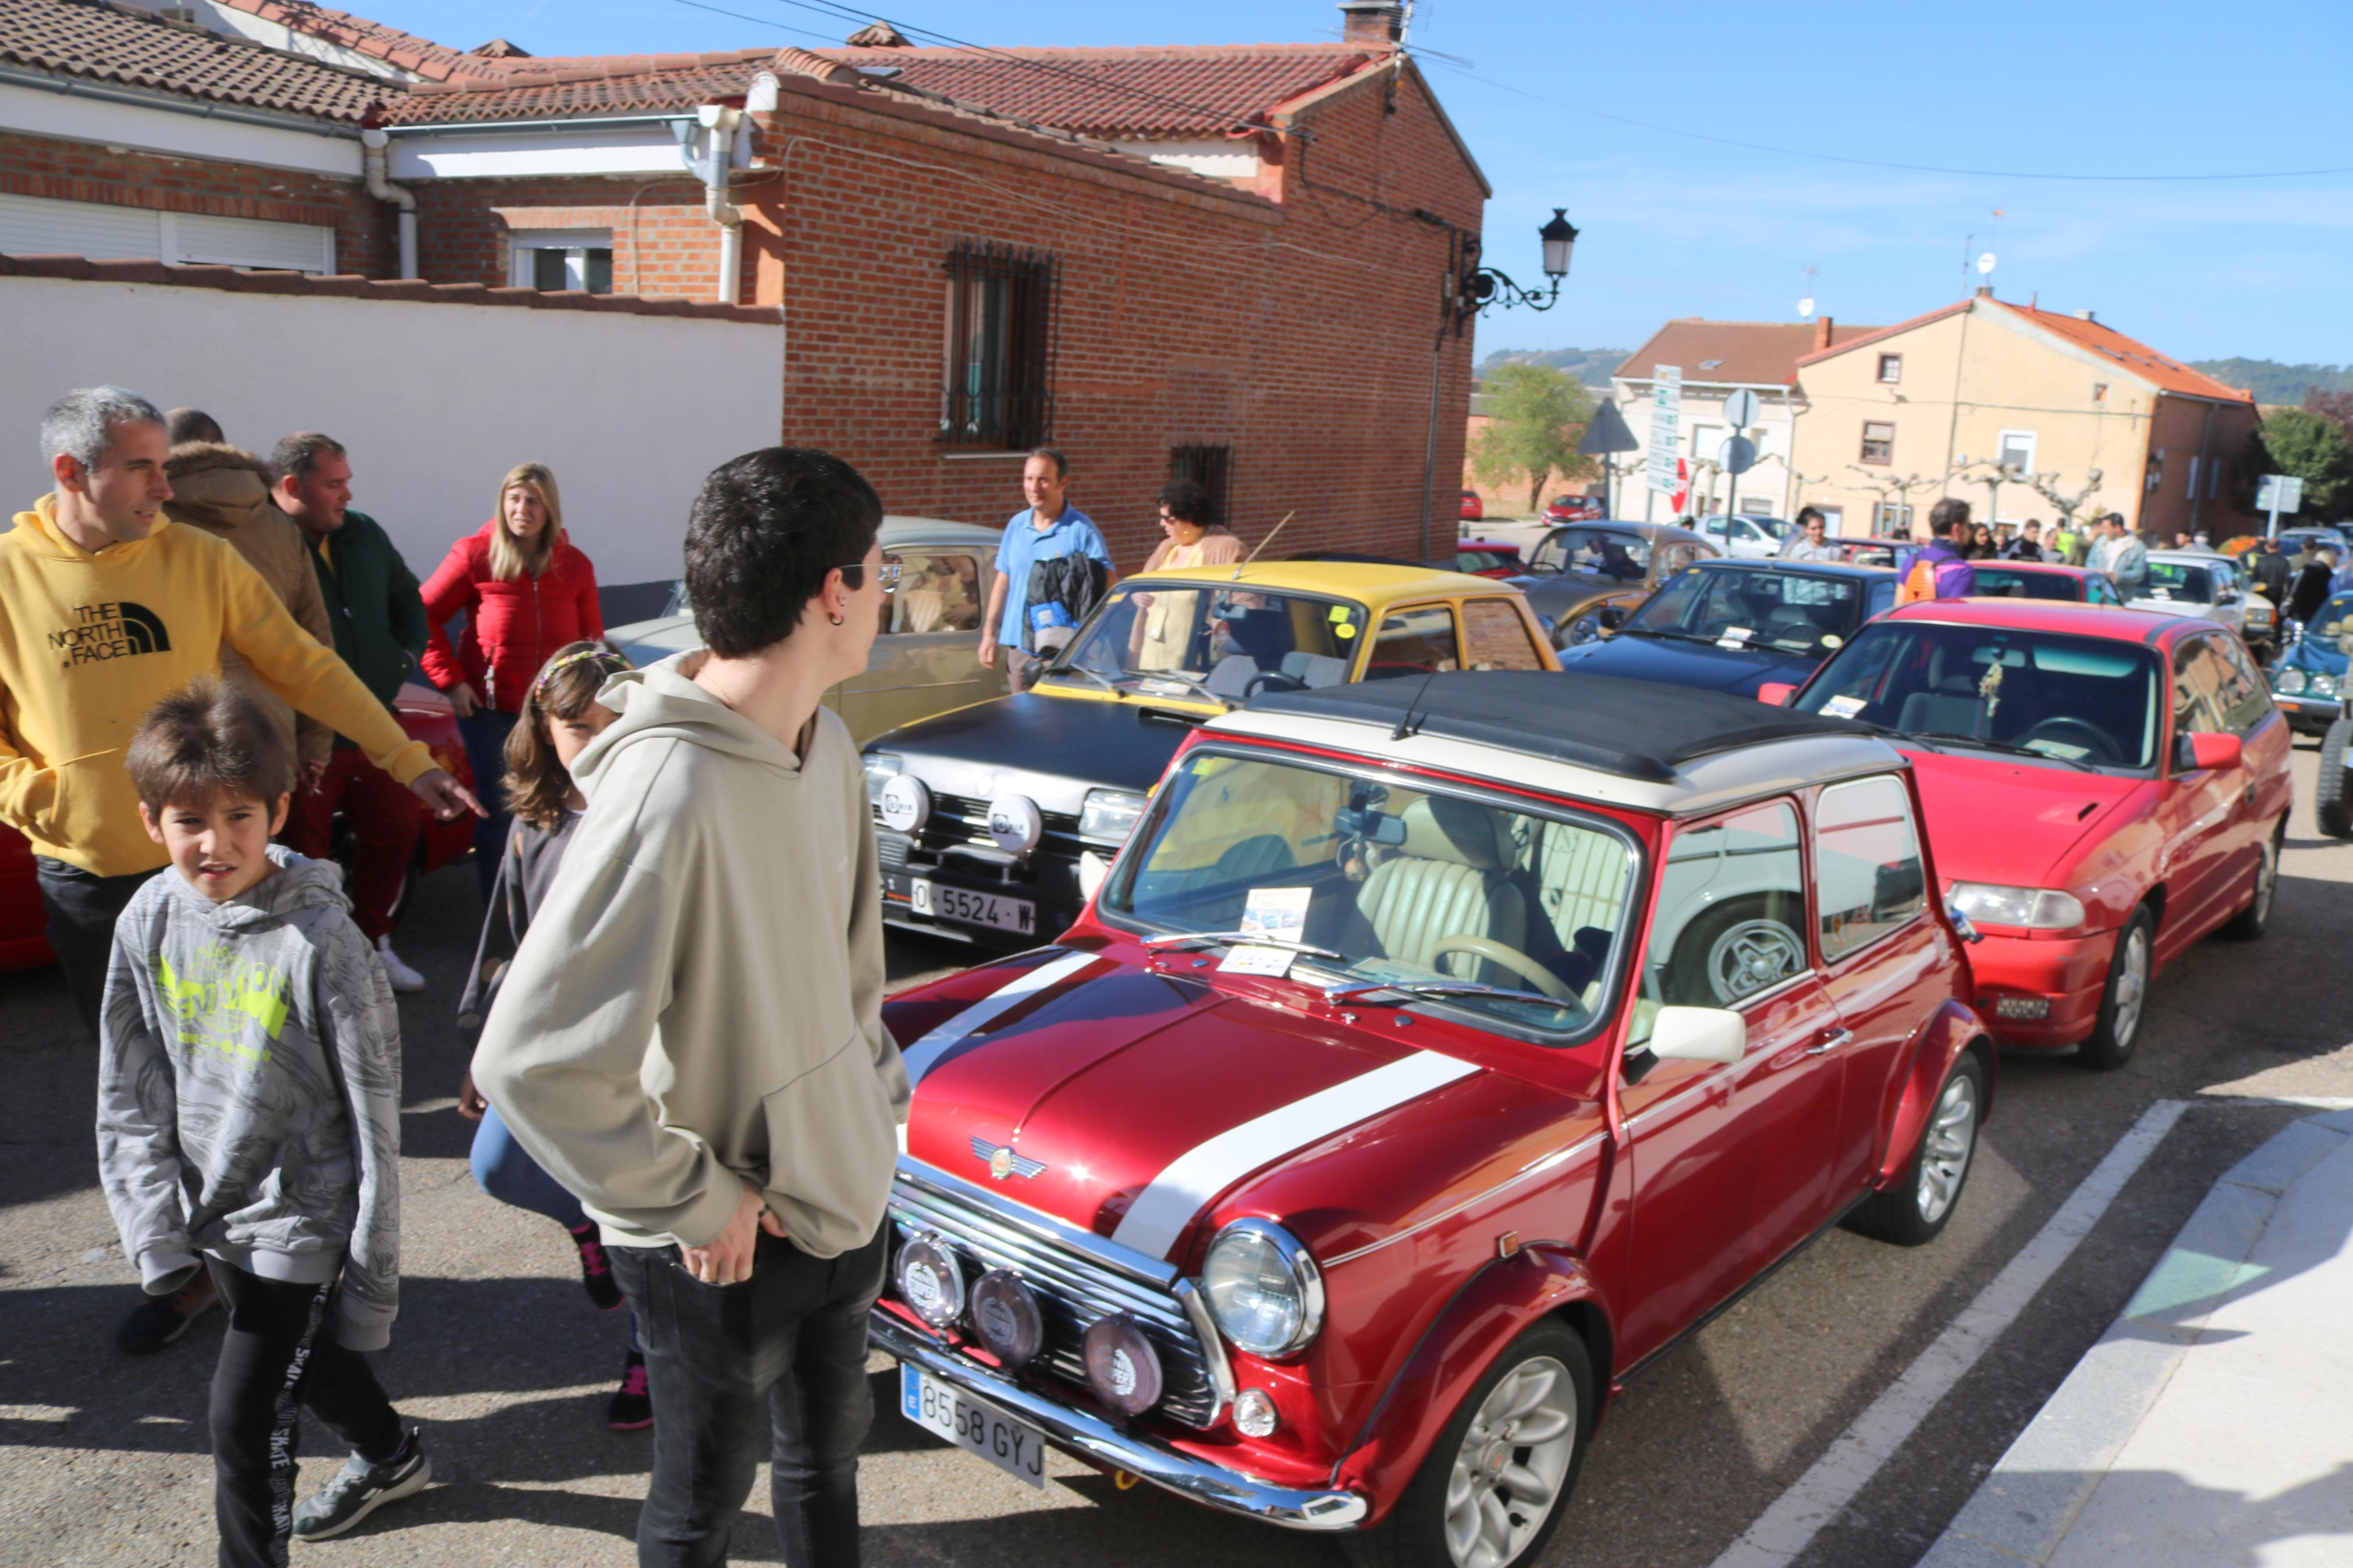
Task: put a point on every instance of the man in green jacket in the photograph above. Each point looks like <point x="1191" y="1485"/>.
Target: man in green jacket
<point x="379" y="622"/>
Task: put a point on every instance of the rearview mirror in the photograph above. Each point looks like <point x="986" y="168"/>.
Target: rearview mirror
<point x="1699" y="1035"/>
<point x="1776" y="693"/>
<point x="2195" y="752"/>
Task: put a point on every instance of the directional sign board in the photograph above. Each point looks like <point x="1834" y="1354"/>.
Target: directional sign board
<point x="1741" y="410"/>
<point x="1666" y="427"/>
<point x="2280" y="493"/>
<point x="1737" y="455"/>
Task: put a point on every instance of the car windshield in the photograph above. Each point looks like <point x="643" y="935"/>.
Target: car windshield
<point x="1604" y="551"/>
<point x="1224" y="643"/>
<point x="2006" y="583"/>
<point x="1516" y="916"/>
<point x="1754" y="607"/>
<point x="2183" y="582"/>
<point x="2082" y="701"/>
<point x="2336" y="618"/>
<point x="1778" y="527"/>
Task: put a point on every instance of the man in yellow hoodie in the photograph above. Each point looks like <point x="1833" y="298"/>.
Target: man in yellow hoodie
<point x="107" y="607"/>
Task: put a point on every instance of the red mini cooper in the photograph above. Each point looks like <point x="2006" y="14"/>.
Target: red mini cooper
<point x="1436" y="1054"/>
<point x="2104" y="787"/>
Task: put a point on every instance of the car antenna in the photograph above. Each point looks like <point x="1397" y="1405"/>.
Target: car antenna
<point x="1405" y="721"/>
<point x="1263" y="543"/>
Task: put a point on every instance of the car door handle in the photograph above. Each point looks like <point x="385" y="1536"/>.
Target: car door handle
<point x="1830" y="1042"/>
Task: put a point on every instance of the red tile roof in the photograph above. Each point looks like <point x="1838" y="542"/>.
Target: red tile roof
<point x="403" y="51"/>
<point x="1752" y="354"/>
<point x="1842" y="345"/>
<point x="1189" y="90"/>
<point x="103" y="41"/>
<point x="562" y="88"/>
<point x="2167" y="374"/>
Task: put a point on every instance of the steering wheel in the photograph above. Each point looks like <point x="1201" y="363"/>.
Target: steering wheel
<point x="2102" y="746"/>
<point x="1513" y="959"/>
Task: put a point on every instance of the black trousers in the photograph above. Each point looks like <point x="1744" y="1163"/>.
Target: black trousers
<point x="778" y="1360"/>
<point x="279" y="1354"/>
<point x="82" y="907"/>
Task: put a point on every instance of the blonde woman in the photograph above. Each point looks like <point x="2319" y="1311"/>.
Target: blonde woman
<point x="526" y="592"/>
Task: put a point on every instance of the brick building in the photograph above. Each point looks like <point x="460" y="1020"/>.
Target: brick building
<point x="1222" y="261"/>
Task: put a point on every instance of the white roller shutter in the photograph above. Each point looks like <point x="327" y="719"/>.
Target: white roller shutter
<point x="37" y="225"/>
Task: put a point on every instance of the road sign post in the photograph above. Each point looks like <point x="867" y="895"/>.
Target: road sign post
<point x="1666" y="427"/>
<point x="2279" y="493"/>
<point x="1737" y="455"/>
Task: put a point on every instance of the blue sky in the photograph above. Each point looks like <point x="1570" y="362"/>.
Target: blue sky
<point x="1678" y="226"/>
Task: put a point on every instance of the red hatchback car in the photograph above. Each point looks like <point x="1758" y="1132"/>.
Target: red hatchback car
<point x="1436" y="1054"/>
<point x="2103" y="787"/>
<point x="423" y="713"/>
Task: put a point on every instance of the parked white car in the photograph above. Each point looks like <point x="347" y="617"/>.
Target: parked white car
<point x="1745" y="535"/>
<point x="2206" y="583"/>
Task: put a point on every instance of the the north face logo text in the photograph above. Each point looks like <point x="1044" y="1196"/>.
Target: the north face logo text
<point x="115" y="630"/>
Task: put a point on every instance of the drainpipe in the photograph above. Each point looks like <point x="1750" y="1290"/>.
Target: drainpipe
<point x="373" y="143"/>
<point x="721" y="122"/>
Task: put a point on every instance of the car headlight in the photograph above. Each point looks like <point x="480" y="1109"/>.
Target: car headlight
<point x="2036" y="908"/>
<point x="1108" y="815"/>
<point x="881" y="767"/>
<point x="1265" y="1292"/>
<point x="2290" y="681"/>
<point x="2260" y="613"/>
<point x="2324" y="686"/>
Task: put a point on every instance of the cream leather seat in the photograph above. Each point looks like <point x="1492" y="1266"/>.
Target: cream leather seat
<point x="1448" y="879"/>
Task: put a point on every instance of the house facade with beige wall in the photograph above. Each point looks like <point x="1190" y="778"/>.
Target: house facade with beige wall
<point x="1964" y="400"/>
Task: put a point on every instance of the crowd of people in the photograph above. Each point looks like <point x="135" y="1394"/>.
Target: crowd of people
<point x="680" y="1058"/>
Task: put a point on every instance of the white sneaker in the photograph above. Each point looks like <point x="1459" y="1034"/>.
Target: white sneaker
<point x="403" y="978"/>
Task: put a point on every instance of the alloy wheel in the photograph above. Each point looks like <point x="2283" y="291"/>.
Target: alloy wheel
<point x="2132" y="984"/>
<point x="1951" y="1139"/>
<point x="2267" y="883"/>
<point x="1752" y="955"/>
<point x="1514" y="1458"/>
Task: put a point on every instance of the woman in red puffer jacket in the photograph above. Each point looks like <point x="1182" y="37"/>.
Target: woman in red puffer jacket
<point x="526" y="592"/>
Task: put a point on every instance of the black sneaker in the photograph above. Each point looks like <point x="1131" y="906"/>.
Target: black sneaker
<point x="159" y="1320"/>
<point x="596" y="1269"/>
<point x="359" y="1488"/>
<point x="631" y="1408"/>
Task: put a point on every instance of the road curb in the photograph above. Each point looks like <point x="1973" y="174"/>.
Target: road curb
<point x="2026" y="1506"/>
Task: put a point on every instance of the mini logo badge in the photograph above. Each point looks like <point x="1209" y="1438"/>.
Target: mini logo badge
<point x="1002" y="1161"/>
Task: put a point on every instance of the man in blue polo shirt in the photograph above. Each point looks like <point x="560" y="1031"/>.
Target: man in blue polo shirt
<point x="1048" y="529"/>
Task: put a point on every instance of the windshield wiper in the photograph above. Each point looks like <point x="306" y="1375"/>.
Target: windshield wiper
<point x="1248" y="938"/>
<point x="2011" y="748"/>
<point x="1659" y="632"/>
<point x="1096" y="676"/>
<point x="1441" y="988"/>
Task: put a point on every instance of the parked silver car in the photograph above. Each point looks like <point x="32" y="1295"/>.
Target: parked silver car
<point x="2207" y="583"/>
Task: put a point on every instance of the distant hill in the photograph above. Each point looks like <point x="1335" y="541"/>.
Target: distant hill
<point x="1589" y="366"/>
<point x="2273" y="382"/>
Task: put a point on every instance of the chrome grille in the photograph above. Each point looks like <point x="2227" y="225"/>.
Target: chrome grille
<point x="891" y="849"/>
<point x="958" y="818"/>
<point x="1073" y="1292"/>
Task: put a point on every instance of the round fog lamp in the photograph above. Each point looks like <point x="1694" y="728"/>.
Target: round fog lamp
<point x="1255" y="1414"/>
<point x="904" y="802"/>
<point x="1015" y="823"/>
<point x="1004" y="1311"/>
<point x="930" y="1280"/>
<point x="1122" y="1366"/>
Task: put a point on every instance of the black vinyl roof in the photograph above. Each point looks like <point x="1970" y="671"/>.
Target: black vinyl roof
<point x="1635" y="728"/>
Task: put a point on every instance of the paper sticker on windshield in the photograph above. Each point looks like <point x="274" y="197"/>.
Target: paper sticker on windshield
<point x="2059" y="748"/>
<point x="1736" y="636"/>
<point x="1843" y="707"/>
<point x="1343" y="619"/>
<point x="1279" y="912"/>
<point x="1274" y="961"/>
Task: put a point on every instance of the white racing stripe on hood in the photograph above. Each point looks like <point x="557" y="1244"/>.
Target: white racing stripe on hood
<point x="925" y="1053"/>
<point x="1167" y="1206"/>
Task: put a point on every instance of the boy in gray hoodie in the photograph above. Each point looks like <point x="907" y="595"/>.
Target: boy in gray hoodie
<point x="248" y="1120"/>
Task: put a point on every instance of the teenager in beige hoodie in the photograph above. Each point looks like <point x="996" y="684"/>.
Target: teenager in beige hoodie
<point x="689" y="1038"/>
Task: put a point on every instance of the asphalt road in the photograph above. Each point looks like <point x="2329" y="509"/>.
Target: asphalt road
<point x="104" y="1459"/>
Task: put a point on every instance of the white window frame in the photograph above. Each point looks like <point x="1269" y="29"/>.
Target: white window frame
<point x="2028" y="438"/>
<point x="1891" y="363"/>
<point x="524" y="243"/>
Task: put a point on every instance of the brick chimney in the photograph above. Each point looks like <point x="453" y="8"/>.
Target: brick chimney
<point x="1821" y="334"/>
<point x="1375" y="22"/>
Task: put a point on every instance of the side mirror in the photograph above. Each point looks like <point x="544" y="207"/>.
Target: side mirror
<point x="1776" y="693"/>
<point x="2196" y="752"/>
<point x="1612" y="616"/>
<point x="1699" y="1035"/>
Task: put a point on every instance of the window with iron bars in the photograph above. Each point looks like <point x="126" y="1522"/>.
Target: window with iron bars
<point x="998" y="370"/>
<point x="1211" y="467"/>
